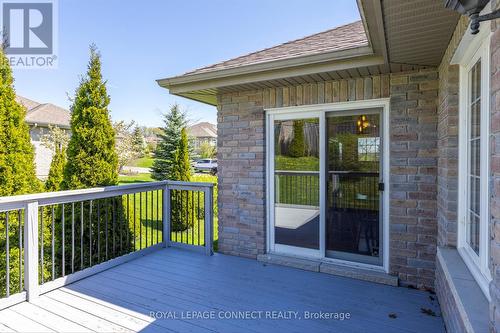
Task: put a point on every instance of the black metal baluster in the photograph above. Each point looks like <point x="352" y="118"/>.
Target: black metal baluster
<point x="120" y="222"/>
<point x="127" y="225"/>
<point x="20" y="250"/>
<point x="178" y="207"/>
<point x="192" y="218"/>
<point x="140" y="220"/>
<point x="81" y="235"/>
<point x="63" y="272"/>
<point x="113" y="231"/>
<point x="106" y="202"/>
<point x="41" y="243"/>
<point x="98" y="231"/>
<point x="53" y="253"/>
<point x="134" y="224"/>
<point x="90" y="233"/>
<point x="7" y="256"/>
<point x="152" y="217"/>
<point x="157" y="215"/>
<point x="72" y="237"/>
<point x="198" y="216"/>
<point x="146" y="223"/>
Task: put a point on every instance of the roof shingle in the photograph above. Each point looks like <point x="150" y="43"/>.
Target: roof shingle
<point x="47" y="114"/>
<point x="345" y="37"/>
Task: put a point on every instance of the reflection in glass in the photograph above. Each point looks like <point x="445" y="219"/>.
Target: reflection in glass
<point x="296" y="182"/>
<point x="474" y="148"/>
<point x="352" y="219"/>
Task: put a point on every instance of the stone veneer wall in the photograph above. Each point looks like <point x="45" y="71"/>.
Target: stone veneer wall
<point x="448" y="141"/>
<point x="495" y="174"/>
<point x="448" y="173"/>
<point x="413" y="189"/>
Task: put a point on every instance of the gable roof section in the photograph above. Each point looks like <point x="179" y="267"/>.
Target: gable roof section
<point x="340" y="48"/>
<point x="45" y="114"/>
<point x="203" y="130"/>
<point x="26" y="102"/>
<point x="345" y="37"/>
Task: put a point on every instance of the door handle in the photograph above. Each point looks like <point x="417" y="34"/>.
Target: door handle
<point x="381" y="187"/>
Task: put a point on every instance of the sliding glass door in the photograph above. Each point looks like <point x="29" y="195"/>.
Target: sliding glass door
<point x="325" y="184"/>
<point x="297" y="184"/>
<point x="353" y="228"/>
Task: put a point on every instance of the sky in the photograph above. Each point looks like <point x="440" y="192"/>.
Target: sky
<point x="142" y="41"/>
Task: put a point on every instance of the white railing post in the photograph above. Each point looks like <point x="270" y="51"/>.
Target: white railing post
<point x="166" y="216"/>
<point x="208" y="220"/>
<point x="31" y="250"/>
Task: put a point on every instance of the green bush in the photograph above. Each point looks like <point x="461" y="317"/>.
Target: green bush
<point x="297" y="145"/>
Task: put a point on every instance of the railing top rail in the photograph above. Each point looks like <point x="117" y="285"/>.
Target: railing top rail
<point x="297" y="172"/>
<point x="48" y="198"/>
<point x="339" y="172"/>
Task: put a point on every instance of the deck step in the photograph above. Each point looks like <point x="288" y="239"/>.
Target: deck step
<point x="317" y="265"/>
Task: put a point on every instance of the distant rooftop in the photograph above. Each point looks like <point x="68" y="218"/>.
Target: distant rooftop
<point x="203" y="130"/>
<point x="44" y="113"/>
<point x="345" y="37"/>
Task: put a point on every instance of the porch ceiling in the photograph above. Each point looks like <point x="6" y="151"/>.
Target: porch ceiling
<point x="417" y="31"/>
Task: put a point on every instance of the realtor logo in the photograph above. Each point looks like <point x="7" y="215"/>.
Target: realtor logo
<point x="29" y="33"/>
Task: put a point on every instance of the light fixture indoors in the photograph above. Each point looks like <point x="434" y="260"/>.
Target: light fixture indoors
<point x="362" y="124"/>
<point x="472" y="8"/>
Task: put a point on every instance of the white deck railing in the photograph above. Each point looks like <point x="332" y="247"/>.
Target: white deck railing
<point x="52" y="239"/>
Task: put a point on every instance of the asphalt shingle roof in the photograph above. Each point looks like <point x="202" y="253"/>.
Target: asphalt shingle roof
<point x="46" y="113"/>
<point x="345" y="37"/>
<point x="203" y="130"/>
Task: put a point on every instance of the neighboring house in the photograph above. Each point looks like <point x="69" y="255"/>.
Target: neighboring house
<point x="203" y="132"/>
<point x="371" y="150"/>
<point x="39" y="117"/>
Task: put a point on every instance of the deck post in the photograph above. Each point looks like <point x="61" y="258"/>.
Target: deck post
<point x="166" y="216"/>
<point x="208" y="220"/>
<point x="31" y="250"/>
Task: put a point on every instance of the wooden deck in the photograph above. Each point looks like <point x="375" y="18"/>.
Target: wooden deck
<point x="179" y="283"/>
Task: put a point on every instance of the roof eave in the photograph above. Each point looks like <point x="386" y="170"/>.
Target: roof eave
<point x="266" y="66"/>
<point x="47" y="124"/>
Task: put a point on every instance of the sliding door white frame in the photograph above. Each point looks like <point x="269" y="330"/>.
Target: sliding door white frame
<point x="319" y="111"/>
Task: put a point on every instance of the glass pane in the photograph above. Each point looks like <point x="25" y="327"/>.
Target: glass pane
<point x="475" y="157"/>
<point x="352" y="221"/>
<point x="296" y="182"/>
<point x="474" y="163"/>
<point x="474" y="194"/>
<point x="473" y="232"/>
<point x="475" y="120"/>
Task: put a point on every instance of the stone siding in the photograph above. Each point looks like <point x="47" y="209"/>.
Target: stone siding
<point x="448" y="141"/>
<point x="495" y="175"/>
<point x="451" y="316"/>
<point x="413" y="162"/>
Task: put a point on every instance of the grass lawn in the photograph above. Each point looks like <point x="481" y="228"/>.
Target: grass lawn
<point x="138" y="178"/>
<point x="143" y="162"/>
<point x="150" y="225"/>
<point x="307" y="163"/>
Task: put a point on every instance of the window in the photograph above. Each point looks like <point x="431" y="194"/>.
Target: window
<point x="368" y="149"/>
<point x="473" y="201"/>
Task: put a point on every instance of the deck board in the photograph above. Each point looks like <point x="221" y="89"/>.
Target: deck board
<point x="178" y="281"/>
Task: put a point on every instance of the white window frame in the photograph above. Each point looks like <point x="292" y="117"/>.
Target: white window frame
<point x="473" y="49"/>
<point x="319" y="111"/>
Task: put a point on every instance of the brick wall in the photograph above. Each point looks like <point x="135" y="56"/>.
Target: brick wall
<point x="495" y="175"/>
<point x="448" y="141"/>
<point x="413" y="227"/>
<point x="451" y="316"/>
<point x="241" y="170"/>
<point x="241" y="155"/>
